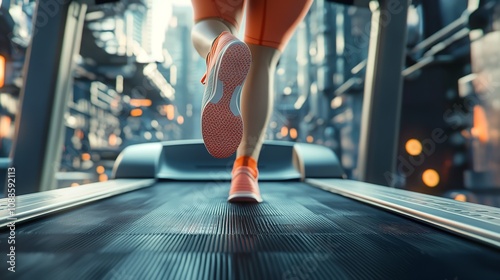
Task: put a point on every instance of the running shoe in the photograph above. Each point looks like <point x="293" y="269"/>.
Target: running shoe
<point x="244" y="186"/>
<point x="227" y="67"/>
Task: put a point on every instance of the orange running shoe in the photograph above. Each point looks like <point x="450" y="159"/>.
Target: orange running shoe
<point x="244" y="186"/>
<point x="227" y="67"/>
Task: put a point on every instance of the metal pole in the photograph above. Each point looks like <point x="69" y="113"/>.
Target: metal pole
<point x="383" y="93"/>
<point x="47" y="83"/>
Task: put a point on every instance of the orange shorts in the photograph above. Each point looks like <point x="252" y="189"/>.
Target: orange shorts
<point x="269" y="23"/>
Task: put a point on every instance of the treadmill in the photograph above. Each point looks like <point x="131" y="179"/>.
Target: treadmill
<point x="165" y="216"/>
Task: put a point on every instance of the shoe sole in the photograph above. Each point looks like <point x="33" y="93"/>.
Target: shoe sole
<point x="221" y="123"/>
<point x="244" y="197"/>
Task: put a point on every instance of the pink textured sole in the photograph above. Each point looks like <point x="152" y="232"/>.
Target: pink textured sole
<point x="221" y="128"/>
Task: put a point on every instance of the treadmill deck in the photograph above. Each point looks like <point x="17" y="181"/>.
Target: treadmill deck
<point x="187" y="230"/>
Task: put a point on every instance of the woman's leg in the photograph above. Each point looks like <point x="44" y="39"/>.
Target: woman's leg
<point x="228" y="61"/>
<point x="270" y="25"/>
<point x="205" y="31"/>
<point x="212" y="17"/>
<point x="257" y="99"/>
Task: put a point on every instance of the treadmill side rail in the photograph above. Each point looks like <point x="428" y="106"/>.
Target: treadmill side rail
<point x="478" y="222"/>
<point x="34" y="205"/>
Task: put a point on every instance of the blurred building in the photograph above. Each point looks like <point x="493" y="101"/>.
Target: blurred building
<point x="189" y="68"/>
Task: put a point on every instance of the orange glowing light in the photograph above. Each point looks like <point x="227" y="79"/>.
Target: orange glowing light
<point x="2" y="71"/>
<point x="310" y="139"/>
<point x="480" y="128"/>
<point x="413" y="147"/>
<point x="5" y="122"/>
<point x="79" y="133"/>
<point x="430" y="178"/>
<point x="170" y="111"/>
<point x="141" y="102"/>
<point x="103" y="177"/>
<point x="461" y="197"/>
<point x="112" y="139"/>
<point x="180" y="119"/>
<point x="100" y="169"/>
<point x="293" y="133"/>
<point x="136" y="112"/>
<point x="74" y="185"/>
<point x="85" y="156"/>
<point x="284" y="131"/>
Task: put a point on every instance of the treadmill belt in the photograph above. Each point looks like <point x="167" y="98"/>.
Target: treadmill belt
<point x="186" y="230"/>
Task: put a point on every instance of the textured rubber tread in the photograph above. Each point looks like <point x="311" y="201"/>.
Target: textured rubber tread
<point x="188" y="231"/>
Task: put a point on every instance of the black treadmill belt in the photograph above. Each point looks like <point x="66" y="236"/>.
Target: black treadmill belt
<point x="188" y="231"/>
